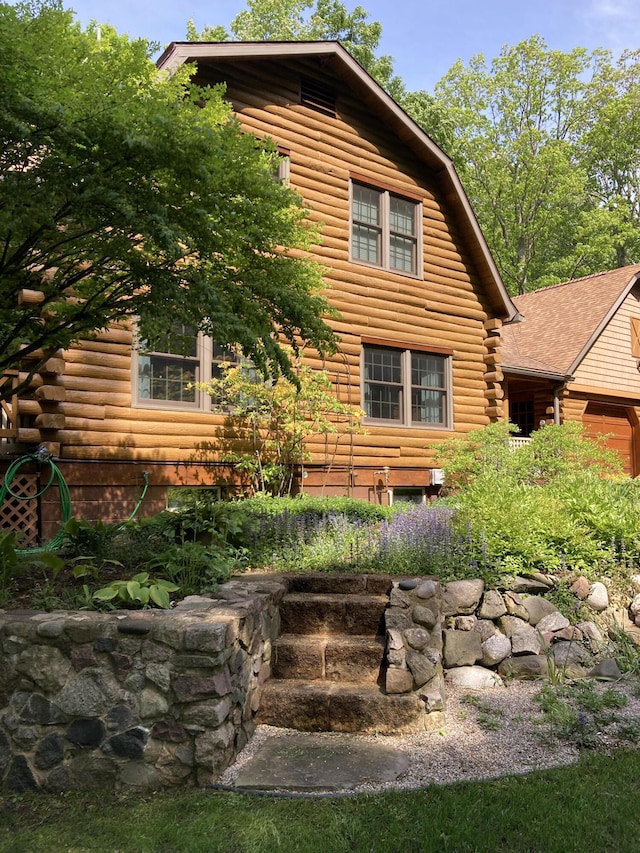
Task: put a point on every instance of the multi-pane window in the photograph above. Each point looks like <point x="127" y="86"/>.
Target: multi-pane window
<point x="384" y="229"/>
<point x="168" y="376"/>
<point x="406" y="386"/>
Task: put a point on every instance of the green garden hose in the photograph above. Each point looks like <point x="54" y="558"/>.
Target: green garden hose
<point x="42" y="457"/>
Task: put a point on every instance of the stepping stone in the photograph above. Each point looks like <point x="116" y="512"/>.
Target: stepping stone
<point x="312" y="762"/>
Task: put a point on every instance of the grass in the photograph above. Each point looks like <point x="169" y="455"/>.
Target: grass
<point x="594" y="805"/>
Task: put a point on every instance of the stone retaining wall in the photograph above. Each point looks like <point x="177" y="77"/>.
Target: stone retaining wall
<point x="460" y="633"/>
<point x="144" y="699"/>
<point x="156" y="698"/>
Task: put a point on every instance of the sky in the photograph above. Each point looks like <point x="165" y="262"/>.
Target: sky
<point x="424" y="37"/>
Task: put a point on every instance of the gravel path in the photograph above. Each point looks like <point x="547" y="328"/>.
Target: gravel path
<point x="487" y="734"/>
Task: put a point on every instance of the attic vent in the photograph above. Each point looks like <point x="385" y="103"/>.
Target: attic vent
<point x="317" y="97"/>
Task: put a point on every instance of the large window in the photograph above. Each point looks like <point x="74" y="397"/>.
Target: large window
<point x="167" y="377"/>
<point x="384" y="229"/>
<point x="406" y="386"/>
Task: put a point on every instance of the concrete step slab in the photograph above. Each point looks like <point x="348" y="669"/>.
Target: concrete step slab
<point x="303" y="761"/>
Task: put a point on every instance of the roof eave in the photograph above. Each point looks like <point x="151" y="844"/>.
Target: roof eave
<point x="537" y="374"/>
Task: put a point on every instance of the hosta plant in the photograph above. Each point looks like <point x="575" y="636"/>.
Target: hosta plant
<point x="140" y="591"/>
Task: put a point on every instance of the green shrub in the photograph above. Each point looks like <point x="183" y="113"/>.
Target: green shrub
<point x="553" y="452"/>
<point x="548" y="505"/>
<point x="522" y="528"/>
<point x="194" y="567"/>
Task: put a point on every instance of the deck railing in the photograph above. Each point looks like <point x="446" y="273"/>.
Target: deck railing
<point x="518" y="441"/>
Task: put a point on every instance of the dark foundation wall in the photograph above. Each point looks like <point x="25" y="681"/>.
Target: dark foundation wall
<point x="112" y="491"/>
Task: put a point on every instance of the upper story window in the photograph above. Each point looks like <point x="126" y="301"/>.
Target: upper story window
<point x="167" y="377"/>
<point x="283" y="170"/>
<point x="635" y="337"/>
<point x="403" y="386"/>
<point x="385" y="228"/>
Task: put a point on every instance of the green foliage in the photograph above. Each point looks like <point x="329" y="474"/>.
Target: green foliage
<point x="305" y="505"/>
<point x="268" y="424"/>
<point x="627" y="652"/>
<point x="560" y="451"/>
<point x="553" y="454"/>
<point x="126" y="192"/>
<point x="195" y="567"/>
<point x="582" y="712"/>
<point x="8" y="562"/>
<point x="139" y="591"/>
<point x="546" y="143"/>
<point x="90" y="540"/>
<point x="533" y="508"/>
<point x="483" y="451"/>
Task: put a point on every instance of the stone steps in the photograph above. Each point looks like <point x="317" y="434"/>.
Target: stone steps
<point x="328" y="662"/>
<point x="341" y="658"/>
<point x="328" y="706"/>
<point x="330" y="614"/>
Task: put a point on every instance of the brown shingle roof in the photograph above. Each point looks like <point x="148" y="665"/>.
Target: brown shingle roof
<point x="559" y="321"/>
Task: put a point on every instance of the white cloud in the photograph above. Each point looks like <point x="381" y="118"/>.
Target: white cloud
<point x="614" y="24"/>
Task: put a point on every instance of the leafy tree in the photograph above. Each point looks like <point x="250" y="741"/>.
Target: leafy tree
<point x="518" y="123"/>
<point x="611" y="152"/>
<point x="547" y="146"/>
<point x="268" y="424"/>
<point x="127" y="193"/>
<point x="301" y="20"/>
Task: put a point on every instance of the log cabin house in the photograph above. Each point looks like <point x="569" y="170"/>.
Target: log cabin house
<point x="576" y="357"/>
<point x="421" y="306"/>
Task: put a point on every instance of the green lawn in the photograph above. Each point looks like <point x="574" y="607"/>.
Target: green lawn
<point x="593" y="806"/>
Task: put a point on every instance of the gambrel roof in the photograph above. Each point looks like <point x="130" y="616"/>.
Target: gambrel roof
<point x="329" y="58"/>
<point x="561" y="322"/>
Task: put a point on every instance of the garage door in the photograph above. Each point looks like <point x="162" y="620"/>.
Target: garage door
<point x="600" y="419"/>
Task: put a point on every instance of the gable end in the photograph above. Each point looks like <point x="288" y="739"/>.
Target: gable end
<point x="317" y="96"/>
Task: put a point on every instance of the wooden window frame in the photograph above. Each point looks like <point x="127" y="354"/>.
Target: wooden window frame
<point x="386" y="193"/>
<point x="405" y="385"/>
<point x="205" y="359"/>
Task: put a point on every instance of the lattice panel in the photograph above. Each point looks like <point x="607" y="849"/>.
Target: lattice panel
<point x="21" y="516"/>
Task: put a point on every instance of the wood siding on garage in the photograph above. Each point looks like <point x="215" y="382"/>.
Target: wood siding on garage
<point x="613" y="421"/>
<point x="610" y="362"/>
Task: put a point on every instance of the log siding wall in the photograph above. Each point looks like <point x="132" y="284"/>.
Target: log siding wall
<point x="443" y="307"/>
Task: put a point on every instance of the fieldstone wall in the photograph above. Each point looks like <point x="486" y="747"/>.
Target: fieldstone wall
<point x="517" y="632"/>
<point x="156" y="698"/>
<point x="143" y="699"/>
<point x="414" y="661"/>
<point x="461" y="633"/>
